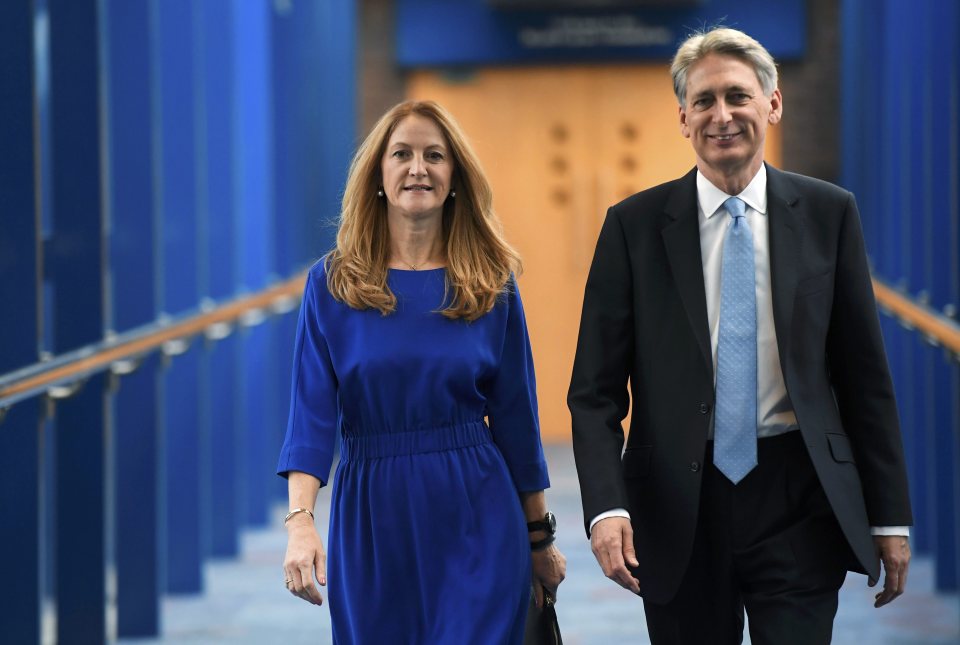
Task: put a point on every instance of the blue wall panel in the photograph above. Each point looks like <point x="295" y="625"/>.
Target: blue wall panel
<point x="184" y="442"/>
<point x="253" y="185"/>
<point x="335" y="29"/>
<point x="259" y="457"/>
<point x="313" y="61"/>
<point x="225" y="502"/>
<point x="218" y="271"/>
<point x="80" y="528"/>
<point x="286" y="330"/>
<point x="73" y="253"/>
<point x="901" y="150"/>
<point x="18" y="235"/>
<point x="177" y="141"/>
<point x="20" y="534"/>
<point x="133" y="302"/>
<point x="253" y="181"/>
<point x="137" y="502"/>
<point x="942" y="23"/>
<point x="130" y="164"/>
<point x="20" y="465"/>
<point x="215" y="50"/>
<point x="152" y="128"/>
<point x="74" y="262"/>
<point x="183" y="513"/>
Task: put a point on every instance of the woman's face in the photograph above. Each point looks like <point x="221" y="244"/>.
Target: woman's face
<point x="416" y="168"/>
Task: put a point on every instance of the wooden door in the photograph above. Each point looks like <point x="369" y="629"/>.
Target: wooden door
<point x="560" y="145"/>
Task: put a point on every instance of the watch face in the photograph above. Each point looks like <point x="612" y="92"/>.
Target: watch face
<point x="552" y="522"/>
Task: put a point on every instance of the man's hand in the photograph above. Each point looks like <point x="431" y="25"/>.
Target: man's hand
<point x="612" y="542"/>
<point x="894" y="552"/>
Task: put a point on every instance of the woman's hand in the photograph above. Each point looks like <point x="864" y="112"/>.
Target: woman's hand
<point x="549" y="565"/>
<point x="549" y="570"/>
<point x="304" y="556"/>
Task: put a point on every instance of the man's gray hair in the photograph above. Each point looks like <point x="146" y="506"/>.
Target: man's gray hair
<point x="724" y="41"/>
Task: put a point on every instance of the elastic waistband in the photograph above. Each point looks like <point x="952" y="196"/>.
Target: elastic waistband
<point x="392" y="444"/>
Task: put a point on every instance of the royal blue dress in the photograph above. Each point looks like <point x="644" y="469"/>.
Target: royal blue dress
<point x="427" y="539"/>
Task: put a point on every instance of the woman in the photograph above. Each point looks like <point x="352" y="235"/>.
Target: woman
<point x="412" y="332"/>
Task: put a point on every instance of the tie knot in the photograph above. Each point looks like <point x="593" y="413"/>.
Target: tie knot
<point x="736" y="207"/>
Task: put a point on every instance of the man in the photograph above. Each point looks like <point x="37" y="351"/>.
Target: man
<point x="764" y="458"/>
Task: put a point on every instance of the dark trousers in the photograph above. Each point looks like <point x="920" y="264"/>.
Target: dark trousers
<point x="770" y="544"/>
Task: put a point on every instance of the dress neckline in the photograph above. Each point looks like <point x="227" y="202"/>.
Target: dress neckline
<point x="416" y="270"/>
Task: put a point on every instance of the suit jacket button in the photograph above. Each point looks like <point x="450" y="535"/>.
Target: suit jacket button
<point x="695" y="466"/>
<point x="704" y="408"/>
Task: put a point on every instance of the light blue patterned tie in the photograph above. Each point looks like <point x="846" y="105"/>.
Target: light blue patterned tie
<point x="735" y="427"/>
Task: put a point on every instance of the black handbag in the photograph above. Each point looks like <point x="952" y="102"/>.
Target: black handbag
<point x="542" y="626"/>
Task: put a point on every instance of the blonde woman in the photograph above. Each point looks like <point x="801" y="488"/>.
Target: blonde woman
<point x="413" y="349"/>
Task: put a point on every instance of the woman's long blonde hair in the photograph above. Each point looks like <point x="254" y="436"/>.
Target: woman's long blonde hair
<point x="479" y="260"/>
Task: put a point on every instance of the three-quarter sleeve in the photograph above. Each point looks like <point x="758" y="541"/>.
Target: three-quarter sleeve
<point x="512" y="403"/>
<point x="312" y="425"/>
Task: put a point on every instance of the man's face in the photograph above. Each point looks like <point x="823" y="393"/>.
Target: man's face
<point x="726" y="115"/>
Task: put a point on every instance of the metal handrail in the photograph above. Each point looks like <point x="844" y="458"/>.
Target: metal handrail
<point x="935" y="327"/>
<point x="122" y="353"/>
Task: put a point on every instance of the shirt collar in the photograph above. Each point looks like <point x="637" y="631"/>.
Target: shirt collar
<point x="710" y="198"/>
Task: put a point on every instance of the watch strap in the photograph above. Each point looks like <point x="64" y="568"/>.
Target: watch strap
<point x="540" y="545"/>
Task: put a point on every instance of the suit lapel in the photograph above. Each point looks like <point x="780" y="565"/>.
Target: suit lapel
<point x="681" y="238"/>
<point x="786" y="241"/>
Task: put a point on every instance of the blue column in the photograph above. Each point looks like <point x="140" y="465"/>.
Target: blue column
<point x="21" y="535"/>
<point x="74" y="267"/>
<point x="225" y="503"/>
<point x="215" y="48"/>
<point x="133" y="303"/>
<point x="81" y="516"/>
<point x="255" y="245"/>
<point x="313" y="90"/>
<point x="19" y="429"/>
<point x="901" y="83"/>
<point x="942" y="122"/>
<point x="313" y="71"/>
<point x="335" y="31"/>
<point x="178" y="291"/>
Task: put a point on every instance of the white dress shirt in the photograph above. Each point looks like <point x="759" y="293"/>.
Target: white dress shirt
<point x="775" y="413"/>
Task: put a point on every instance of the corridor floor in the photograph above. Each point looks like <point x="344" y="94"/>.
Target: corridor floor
<point x="246" y="603"/>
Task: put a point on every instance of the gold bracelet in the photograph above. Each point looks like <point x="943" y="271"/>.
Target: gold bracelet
<point x="298" y="510"/>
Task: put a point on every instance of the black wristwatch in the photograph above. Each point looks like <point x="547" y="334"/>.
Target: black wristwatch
<point x="548" y="524"/>
<point x="540" y="545"/>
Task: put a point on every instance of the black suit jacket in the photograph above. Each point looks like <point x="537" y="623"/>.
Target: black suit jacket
<point x="645" y="321"/>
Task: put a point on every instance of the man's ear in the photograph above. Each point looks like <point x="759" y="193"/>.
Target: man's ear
<point x="776" y="107"/>
<point x="684" y="130"/>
